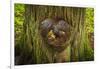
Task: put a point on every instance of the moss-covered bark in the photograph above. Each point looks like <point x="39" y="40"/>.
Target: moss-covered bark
<point x="34" y="49"/>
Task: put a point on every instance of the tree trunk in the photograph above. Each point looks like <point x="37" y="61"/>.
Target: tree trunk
<point x="33" y="44"/>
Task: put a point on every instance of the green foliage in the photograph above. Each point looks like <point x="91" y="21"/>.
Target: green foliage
<point x="19" y="19"/>
<point x="18" y="26"/>
<point x="89" y="25"/>
<point x="89" y="28"/>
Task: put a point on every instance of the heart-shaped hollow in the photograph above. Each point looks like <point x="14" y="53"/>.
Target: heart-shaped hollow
<point x="56" y="39"/>
<point x="55" y="31"/>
